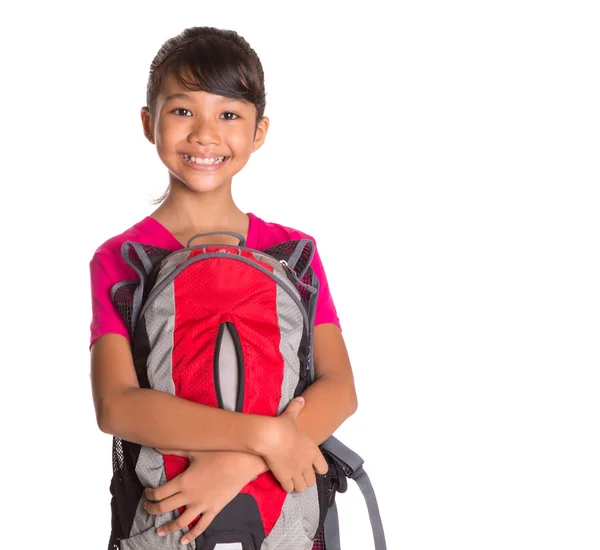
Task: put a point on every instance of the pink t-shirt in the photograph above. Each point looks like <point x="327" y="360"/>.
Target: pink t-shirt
<point x="107" y="267"/>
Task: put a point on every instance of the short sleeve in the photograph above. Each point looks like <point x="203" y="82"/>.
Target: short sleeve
<point x="105" y="317"/>
<point x="326" y="312"/>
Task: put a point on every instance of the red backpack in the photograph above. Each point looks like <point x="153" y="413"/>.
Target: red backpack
<point x="229" y="327"/>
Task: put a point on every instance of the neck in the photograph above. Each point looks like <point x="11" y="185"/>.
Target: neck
<point x="184" y="210"/>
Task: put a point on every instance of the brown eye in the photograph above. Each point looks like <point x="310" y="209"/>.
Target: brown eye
<point x="180" y="110"/>
<point x="229" y="116"/>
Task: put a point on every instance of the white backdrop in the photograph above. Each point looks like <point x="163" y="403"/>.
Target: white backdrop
<point x="445" y="157"/>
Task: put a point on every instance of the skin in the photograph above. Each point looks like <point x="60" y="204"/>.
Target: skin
<point x="226" y="450"/>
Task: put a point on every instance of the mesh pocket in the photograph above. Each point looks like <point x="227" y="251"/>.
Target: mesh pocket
<point x="155" y="255"/>
<point x="123" y="300"/>
<point x="283" y="251"/>
<point x="319" y="542"/>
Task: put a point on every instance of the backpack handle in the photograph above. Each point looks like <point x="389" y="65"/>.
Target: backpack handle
<point x="230" y="233"/>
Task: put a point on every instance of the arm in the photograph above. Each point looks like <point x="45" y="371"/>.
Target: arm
<point x="158" y="419"/>
<point x="161" y="420"/>
<point x="331" y="399"/>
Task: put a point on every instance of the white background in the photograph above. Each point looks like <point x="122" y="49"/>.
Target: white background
<point x="445" y="157"/>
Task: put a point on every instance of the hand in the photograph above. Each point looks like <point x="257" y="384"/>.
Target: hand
<point x="211" y="481"/>
<point x="292" y="456"/>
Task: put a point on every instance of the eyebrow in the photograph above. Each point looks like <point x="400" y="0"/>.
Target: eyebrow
<point x="178" y="95"/>
<point x="181" y="95"/>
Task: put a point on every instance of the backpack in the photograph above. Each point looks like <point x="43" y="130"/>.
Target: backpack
<point x="230" y="327"/>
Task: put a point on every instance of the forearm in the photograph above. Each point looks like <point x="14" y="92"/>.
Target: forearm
<point x="253" y="463"/>
<point x="161" y="420"/>
<point x="330" y="400"/>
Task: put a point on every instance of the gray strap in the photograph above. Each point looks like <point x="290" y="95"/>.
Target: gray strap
<point x="332" y="529"/>
<point x="353" y="468"/>
<point x="143" y="274"/>
<point x="300" y="247"/>
<point x="364" y="483"/>
<point x="347" y="456"/>
<point x="142" y="255"/>
<point x="231" y="233"/>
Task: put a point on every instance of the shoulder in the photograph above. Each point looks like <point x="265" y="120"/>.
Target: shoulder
<point x="147" y="231"/>
<point x="112" y="246"/>
<point x="266" y="234"/>
<point x="107" y="257"/>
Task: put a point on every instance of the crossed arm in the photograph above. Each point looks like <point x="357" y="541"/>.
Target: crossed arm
<point x="242" y="443"/>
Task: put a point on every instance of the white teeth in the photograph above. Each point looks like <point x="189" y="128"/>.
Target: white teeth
<point x="212" y="160"/>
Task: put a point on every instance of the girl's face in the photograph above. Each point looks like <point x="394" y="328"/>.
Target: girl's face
<point x="203" y="139"/>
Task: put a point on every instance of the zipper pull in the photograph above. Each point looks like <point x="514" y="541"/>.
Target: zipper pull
<point x="289" y="269"/>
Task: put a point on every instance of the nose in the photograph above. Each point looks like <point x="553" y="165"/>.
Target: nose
<point x="205" y="132"/>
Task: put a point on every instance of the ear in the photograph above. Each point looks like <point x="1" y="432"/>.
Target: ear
<point x="261" y="133"/>
<point x="147" y="124"/>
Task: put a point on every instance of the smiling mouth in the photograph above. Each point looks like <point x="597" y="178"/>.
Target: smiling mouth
<point x="204" y="161"/>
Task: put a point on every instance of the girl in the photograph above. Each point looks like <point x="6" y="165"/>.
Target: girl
<point x="205" y="115"/>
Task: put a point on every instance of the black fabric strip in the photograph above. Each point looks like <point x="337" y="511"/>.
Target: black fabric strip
<point x="240" y="361"/>
<point x="216" y="376"/>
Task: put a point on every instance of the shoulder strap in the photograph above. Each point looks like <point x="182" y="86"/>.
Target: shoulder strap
<point x="128" y="295"/>
<point x="301" y="257"/>
<point x="352" y="465"/>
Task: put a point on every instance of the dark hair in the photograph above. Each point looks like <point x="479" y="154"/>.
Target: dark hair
<point x="212" y="60"/>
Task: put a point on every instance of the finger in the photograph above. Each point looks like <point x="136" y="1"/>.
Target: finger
<point x="299" y="484"/>
<point x="202" y="524"/>
<point x="178" y="524"/>
<point x="167" y="505"/>
<point x="294" y="407"/>
<point x="309" y="477"/>
<point x="320" y="465"/>
<point x="287" y="484"/>
<point x="169" y="489"/>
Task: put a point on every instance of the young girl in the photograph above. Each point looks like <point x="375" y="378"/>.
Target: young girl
<point x="205" y="115"/>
